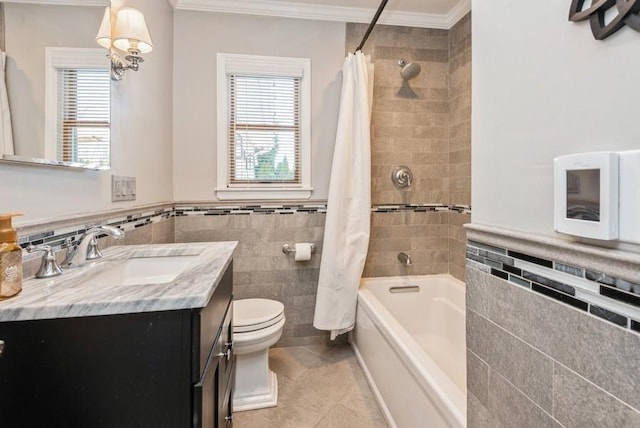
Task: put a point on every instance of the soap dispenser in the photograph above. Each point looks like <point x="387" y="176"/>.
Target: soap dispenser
<point x="10" y="258"/>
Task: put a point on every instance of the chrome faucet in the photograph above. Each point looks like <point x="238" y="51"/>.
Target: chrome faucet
<point x="86" y="247"/>
<point x="49" y="266"/>
<point x="404" y="258"/>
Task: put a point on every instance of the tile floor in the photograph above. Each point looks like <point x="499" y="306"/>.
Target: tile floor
<point x="319" y="387"/>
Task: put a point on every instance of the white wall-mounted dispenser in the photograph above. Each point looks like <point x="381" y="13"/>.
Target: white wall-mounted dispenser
<point x="597" y="195"/>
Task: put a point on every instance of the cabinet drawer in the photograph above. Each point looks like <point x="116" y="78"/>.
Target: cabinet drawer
<point x="206" y="395"/>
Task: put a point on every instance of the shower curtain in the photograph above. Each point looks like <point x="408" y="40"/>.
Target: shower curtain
<point x="6" y="134"/>
<point x="346" y="235"/>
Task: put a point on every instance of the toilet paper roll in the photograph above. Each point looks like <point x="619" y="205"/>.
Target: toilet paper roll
<point x="303" y="251"/>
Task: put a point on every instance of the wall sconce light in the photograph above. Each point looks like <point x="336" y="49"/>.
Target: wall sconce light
<point x="126" y="31"/>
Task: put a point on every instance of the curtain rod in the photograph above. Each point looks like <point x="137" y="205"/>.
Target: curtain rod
<point x="383" y="4"/>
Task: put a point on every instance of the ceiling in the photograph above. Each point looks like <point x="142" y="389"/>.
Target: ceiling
<point x="411" y="13"/>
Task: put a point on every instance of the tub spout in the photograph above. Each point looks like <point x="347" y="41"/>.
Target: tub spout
<point x="404" y="258"/>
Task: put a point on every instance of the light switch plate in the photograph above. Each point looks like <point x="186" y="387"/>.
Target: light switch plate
<point x="123" y="188"/>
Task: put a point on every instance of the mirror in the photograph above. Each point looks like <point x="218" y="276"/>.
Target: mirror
<point x="38" y="39"/>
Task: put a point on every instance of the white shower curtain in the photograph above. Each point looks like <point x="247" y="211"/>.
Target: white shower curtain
<point x="346" y="234"/>
<point x="6" y="134"/>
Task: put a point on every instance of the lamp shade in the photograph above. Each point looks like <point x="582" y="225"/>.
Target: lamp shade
<point x="103" y="38"/>
<point x="131" y="31"/>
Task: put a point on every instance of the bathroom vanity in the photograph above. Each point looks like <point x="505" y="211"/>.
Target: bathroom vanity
<point x="81" y="353"/>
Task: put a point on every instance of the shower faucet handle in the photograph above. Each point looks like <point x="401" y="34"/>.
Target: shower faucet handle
<point x="402" y="177"/>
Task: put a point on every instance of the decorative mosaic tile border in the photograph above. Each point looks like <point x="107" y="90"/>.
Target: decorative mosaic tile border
<point x="612" y="299"/>
<point x="249" y="209"/>
<point x="463" y="209"/>
<point x="63" y="237"/>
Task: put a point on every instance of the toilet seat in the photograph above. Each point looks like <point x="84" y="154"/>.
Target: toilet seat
<point x="256" y="314"/>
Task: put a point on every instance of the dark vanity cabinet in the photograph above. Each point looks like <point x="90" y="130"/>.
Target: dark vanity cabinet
<point x="152" y="369"/>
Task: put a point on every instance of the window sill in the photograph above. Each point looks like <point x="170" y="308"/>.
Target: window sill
<point x="231" y="194"/>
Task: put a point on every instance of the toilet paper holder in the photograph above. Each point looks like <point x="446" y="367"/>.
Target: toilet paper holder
<point x="290" y="249"/>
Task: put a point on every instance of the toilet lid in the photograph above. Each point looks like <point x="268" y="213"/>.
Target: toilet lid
<point x="254" y="314"/>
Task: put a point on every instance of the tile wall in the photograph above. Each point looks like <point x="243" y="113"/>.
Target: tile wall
<point x="410" y="119"/>
<point x="423" y="123"/>
<point x="460" y="112"/>
<point x="459" y="140"/>
<point x="423" y="235"/>
<point x="2" y="26"/>
<point x="261" y="269"/>
<point x="546" y="347"/>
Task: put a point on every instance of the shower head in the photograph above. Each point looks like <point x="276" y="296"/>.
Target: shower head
<point x="410" y="70"/>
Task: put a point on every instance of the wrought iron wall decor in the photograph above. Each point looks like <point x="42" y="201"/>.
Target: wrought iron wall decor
<point x="626" y="12"/>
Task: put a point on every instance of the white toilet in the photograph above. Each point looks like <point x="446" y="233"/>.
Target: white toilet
<point x="257" y="325"/>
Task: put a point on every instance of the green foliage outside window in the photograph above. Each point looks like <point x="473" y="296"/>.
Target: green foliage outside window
<point x="266" y="168"/>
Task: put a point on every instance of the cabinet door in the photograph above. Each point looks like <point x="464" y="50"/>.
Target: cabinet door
<point x="205" y="395"/>
<point x="227" y="373"/>
<point x="225" y="405"/>
<point x="212" y="393"/>
<point x="114" y="371"/>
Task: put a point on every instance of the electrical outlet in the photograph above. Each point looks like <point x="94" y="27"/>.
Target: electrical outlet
<point x="123" y="188"/>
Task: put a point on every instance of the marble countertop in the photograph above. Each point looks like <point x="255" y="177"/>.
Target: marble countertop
<point x="72" y="295"/>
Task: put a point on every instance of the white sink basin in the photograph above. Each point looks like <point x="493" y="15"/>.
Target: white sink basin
<point x="143" y="270"/>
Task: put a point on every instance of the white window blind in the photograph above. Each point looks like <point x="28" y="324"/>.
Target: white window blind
<point x="84" y="116"/>
<point x="264" y="129"/>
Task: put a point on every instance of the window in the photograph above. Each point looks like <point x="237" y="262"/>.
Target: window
<point x="83" y="116"/>
<point x="78" y="106"/>
<point x="263" y="127"/>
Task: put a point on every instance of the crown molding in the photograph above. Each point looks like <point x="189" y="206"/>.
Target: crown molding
<point x="326" y="13"/>
<point x="102" y="3"/>
<point x="458" y="12"/>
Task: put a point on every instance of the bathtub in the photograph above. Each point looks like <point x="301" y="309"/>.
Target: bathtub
<point x="409" y="339"/>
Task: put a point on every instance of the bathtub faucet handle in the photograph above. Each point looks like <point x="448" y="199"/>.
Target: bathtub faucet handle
<point x="404" y="258"/>
<point x="402" y="177"/>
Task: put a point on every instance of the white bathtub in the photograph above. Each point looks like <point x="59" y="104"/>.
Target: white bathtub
<point x="411" y="346"/>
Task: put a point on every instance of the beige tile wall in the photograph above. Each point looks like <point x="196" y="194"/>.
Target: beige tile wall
<point x="261" y="269"/>
<point x="423" y="123"/>
<point x="410" y="119"/>
<point x="459" y="140"/>
<point x="424" y="236"/>
<point x="460" y="109"/>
